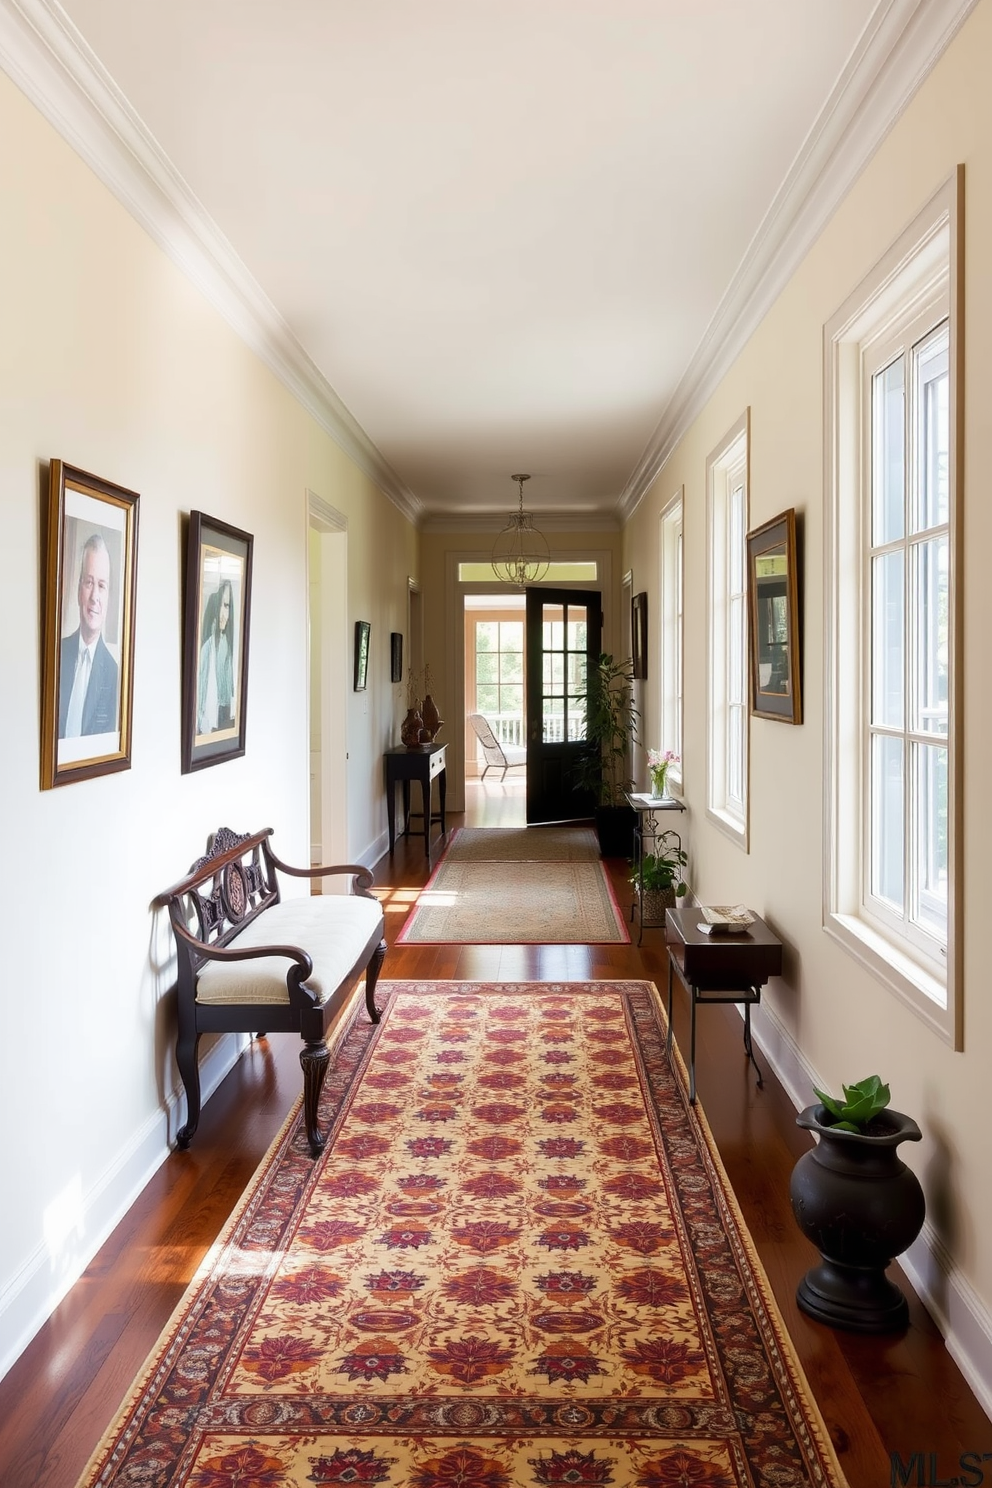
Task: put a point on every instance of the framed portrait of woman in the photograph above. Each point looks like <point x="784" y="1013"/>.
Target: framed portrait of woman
<point x="215" y="642"/>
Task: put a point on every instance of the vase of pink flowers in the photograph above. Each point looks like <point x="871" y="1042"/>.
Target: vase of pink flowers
<point x="658" y="766"/>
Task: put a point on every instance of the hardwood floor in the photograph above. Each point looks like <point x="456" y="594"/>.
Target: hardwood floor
<point x="899" y="1394"/>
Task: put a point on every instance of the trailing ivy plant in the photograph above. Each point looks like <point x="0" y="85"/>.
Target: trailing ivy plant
<point x="861" y="1103"/>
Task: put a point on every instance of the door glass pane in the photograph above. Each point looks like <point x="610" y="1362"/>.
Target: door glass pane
<point x="577" y="718"/>
<point x="930" y="563"/>
<point x="887" y="820"/>
<point x="930" y="361"/>
<point x="576" y="628"/>
<point x="554" y="720"/>
<point x="888" y="454"/>
<point x="930" y="780"/>
<point x="887" y="642"/>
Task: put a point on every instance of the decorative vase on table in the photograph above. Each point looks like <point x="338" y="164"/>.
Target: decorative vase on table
<point x="432" y="718"/>
<point x="659" y="783"/>
<point x="861" y="1206"/>
<point x="411" y="727"/>
<point x="659" y="764"/>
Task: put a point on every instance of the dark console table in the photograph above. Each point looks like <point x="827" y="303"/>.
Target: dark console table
<point x="718" y="967"/>
<point x="425" y="764"/>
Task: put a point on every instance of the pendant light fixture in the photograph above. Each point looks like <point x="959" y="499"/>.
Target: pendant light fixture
<point x="520" y="552"/>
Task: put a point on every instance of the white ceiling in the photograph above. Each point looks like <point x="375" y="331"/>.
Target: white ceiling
<point x="511" y="234"/>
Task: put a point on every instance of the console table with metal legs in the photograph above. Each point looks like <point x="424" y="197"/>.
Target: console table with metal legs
<point x="426" y="764"/>
<point x="718" y="967"/>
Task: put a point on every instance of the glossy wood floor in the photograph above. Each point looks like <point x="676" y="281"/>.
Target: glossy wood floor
<point x="879" y="1396"/>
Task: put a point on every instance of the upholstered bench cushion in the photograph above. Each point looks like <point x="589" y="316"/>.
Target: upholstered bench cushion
<point x="333" y="929"/>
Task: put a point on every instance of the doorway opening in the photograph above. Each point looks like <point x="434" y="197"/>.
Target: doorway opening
<point x="327" y="563"/>
<point x="495" y="681"/>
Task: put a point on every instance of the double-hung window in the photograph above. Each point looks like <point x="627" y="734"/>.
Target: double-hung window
<point x="892" y="640"/>
<point x="727" y="483"/>
<point x="671" y="635"/>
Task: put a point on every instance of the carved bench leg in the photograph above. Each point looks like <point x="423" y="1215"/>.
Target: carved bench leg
<point x="314" y="1059"/>
<point x="371" y="977"/>
<point x="189" y="1072"/>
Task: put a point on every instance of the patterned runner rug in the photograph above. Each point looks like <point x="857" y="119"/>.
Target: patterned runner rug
<point x="518" y="1262"/>
<point x="518" y="886"/>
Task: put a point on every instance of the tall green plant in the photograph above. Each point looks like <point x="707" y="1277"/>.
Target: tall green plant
<point x="611" y="724"/>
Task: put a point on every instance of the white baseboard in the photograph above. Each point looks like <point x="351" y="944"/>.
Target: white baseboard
<point x="949" y="1297"/>
<point x="40" y="1285"/>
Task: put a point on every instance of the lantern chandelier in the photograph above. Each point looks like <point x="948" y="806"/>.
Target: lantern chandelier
<point x="520" y="552"/>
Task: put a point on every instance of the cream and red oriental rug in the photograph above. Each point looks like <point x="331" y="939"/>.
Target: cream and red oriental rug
<point x="518" y="1262"/>
<point x="517" y="886"/>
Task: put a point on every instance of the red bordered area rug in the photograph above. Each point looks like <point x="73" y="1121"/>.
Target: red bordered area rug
<point x="517" y="1262"/>
<point x="517" y="886"/>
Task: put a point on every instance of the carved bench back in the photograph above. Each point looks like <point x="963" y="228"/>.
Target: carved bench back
<point x="224" y="891"/>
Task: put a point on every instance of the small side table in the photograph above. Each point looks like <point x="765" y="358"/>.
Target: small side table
<point x="718" y="968"/>
<point x="426" y="764"/>
<point x="647" y="830"/>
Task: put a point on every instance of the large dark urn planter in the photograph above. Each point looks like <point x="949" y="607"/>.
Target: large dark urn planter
<point x="861" y="1206"/>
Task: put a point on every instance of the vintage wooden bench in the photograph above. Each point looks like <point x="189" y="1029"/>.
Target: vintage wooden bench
<point x="249" y="960"/>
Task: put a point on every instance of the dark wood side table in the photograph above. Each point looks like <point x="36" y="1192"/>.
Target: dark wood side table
<point x="425" y="764"/>
<point x="718" y="968"/>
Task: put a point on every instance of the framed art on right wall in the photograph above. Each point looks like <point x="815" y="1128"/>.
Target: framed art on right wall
<point x="773" y="612"/>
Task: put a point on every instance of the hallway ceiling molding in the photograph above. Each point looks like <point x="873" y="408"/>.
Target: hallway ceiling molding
<point x="895" y="54"/>
<point x="490" y="287"/>
<point x="50" y="62"/>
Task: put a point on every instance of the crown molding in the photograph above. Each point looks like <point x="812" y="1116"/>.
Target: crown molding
<point x="494" y="522"/>
<point x="899" y="47"/>
<point x="46" y="57"/>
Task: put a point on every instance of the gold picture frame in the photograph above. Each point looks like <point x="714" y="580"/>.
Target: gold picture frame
<point x="88" y="628"/>
<point x="773" y="613"/>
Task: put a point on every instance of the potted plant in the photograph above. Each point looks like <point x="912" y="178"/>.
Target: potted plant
<point x="658" y="878"/>
<point x="603" y="770"/>
<point x="859" y="1204"/>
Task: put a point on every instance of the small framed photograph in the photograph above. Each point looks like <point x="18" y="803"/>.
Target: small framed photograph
<point x="363" y="637"/>
<point x="215" y="642"/>
<point x="773" y="611"/>
<point x="396" y="656"/>
<point x="639" y="636"/>
<point x="88" y="659"/>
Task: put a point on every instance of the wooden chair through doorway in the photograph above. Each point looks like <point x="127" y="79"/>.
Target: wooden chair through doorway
<point x="500" y="756"/>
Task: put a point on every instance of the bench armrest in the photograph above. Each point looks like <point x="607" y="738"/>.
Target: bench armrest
<point x="364" y="878"/>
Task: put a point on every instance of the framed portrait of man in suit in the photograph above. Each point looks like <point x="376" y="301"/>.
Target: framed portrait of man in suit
<point x="88" y="659"/>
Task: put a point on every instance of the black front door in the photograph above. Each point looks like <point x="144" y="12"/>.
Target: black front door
<point x="564" y="629"/>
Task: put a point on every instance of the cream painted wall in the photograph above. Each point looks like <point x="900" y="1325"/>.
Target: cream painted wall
<point x="440" y="552"/>
<point x="112" y="361"/>
<point x="845" y="1024"/>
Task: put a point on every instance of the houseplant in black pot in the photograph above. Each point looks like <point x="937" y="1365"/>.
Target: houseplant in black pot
<point x="859" y="1204"/>
<point x="603" y="771"/>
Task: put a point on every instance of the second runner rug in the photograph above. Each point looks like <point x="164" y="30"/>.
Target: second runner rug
<point x="518" y="886"/>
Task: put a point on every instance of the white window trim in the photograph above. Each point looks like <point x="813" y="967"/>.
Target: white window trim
<point x="925" y="261"/>
<point x="734" y="447"/>
<point x="670" y="647"/>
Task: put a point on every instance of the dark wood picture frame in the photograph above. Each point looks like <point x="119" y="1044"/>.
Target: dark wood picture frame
<point x="363" y="640"/>
<point x="216" y="628"/>
<point x="639" y="636"/>
<point x="89" y="596"/>
<point x="395" y="656"/>
<point x="773" y="581"/>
